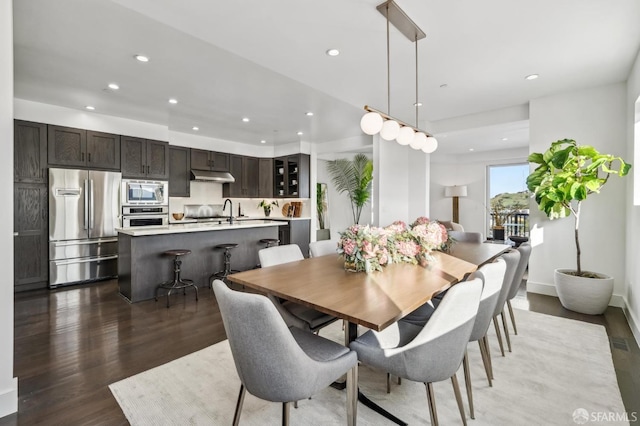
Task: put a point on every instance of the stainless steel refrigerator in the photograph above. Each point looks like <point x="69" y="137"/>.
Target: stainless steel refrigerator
<point x="84" y="209"/>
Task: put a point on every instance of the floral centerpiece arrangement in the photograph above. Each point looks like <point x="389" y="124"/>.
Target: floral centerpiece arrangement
<point x="367" y="248"/>
<point x="364" y="248"/>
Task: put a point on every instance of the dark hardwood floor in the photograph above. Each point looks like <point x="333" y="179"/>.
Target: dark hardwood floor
<point x="71" y="343"/>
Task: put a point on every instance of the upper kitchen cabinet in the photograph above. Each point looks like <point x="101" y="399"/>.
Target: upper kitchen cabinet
<point x="265" y="178"/>
<point x="245" y="171"/>
<point x="291" y="176"/>
<point x="144" y="159"/>
<point x="209" y="160"/>
<point x="179" y="171"/>
<point x="29" y="152"/>
<point x="83" y="148"/>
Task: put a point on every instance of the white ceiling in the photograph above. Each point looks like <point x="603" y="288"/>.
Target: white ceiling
<point x="224" y="60"/>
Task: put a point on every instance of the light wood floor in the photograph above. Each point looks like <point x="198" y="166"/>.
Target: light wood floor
<point x="70" y="344"/>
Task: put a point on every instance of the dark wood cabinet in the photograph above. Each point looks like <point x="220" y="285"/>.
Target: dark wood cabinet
<point x="179" y="171"/>
<point x="291" y="176"/>
<point x="296" y="232"/>
<point x="210" y="160"/>
<point x="245" y="170"/>
<point x="265" y="178"/>
<point x="144" y="158"/>
<point x="72" y="147"/>
<point x="30" y="152"/>
<point x="30" y="221"/>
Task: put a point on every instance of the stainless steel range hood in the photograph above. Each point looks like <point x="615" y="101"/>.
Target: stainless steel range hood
<point x="208" y="176"/>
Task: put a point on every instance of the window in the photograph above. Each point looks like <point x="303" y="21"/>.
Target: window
<point x="508" y="202"/>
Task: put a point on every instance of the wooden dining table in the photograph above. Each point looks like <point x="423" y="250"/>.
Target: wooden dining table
<point x="374" y="300"/>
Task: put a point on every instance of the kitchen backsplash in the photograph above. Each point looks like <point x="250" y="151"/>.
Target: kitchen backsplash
<point x="211" y="193"/>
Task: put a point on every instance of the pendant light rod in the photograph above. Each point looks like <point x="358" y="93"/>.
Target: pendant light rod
<point x="417" y="82"/>
<point x="388" y="66"/>
<point x="388" y="117"/>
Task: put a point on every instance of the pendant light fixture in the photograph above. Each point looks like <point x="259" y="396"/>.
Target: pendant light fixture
<point x="375" y="121"/>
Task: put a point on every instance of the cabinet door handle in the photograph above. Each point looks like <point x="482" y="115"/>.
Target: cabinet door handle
<point x="142" y="171"/>
<point x="82" y="157"/>
<point x="147" y="169"/>
<point x="89" y="157"/>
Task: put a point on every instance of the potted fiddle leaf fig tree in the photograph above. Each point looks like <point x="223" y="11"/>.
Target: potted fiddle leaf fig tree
<point x="566" y="175"/>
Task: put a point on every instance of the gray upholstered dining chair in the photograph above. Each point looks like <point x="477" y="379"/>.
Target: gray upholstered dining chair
<point x="323" y="248"/>
<point x="492" y="275"/>
<point x="525" y="253"/>
<point x="451" y="226"/>
<point x="511" y="258"/>
<point x="277" y="363"/>
<point x="467" y="237"/>
<point x="431" y="353"/>
<point x="294" y="314"/>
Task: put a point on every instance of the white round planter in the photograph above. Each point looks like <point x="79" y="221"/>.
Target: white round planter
<point x="585" y="295"/>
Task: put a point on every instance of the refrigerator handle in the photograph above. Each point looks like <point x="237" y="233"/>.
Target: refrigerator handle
<point x="86" y="204"/>
<point x="91" y="206"/>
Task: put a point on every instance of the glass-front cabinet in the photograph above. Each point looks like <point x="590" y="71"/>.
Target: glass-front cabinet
<point x="291" y="176"/>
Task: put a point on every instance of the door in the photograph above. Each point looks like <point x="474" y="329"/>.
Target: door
<point x="103" y="150"/>
<point x="157" y="160"/>
<point x="67" y="204"/>
<point x="67" y="146"/>
<point x="30" y="235"/>
<point x="30" y="152"/>
<point x="133" y="153"/>
<point x="104" y="203"/>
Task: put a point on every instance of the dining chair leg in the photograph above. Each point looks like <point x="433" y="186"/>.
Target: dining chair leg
<point x="399" y="380"/>
<point x="486" y="346"/>
<point x="236" y="415"/>
<point x="485" y="361"/>
<point x="295" y="404"/>
<point x="498" y="334"/>
<point x="433" y="414"/>
<point x="456" y="390"/>
<point x="467" y="382"/>
<point x="513" y="318"/>
<point x="285" y="414"/>
<point x="506" y="329"/>
<point x="352" y="396"/>
<point x="388" y="382"/>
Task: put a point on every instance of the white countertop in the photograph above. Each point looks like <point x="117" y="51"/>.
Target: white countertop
<point x="242" y="219"/>
<point x="180" y="228"/>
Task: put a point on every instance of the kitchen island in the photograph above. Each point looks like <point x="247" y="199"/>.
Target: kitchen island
<point x="142" y="265"/>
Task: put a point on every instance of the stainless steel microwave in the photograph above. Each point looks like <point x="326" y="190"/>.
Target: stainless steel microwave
<point x="144" y="192"/>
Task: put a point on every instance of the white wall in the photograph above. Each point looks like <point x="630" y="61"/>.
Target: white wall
<point x="471" y="170"/>
<point x="8" y="383"/>
<point x="631" y="290"/>
<point x="597" y="117"/>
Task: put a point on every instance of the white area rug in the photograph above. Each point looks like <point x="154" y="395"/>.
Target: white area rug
<point x="557" y="366"/>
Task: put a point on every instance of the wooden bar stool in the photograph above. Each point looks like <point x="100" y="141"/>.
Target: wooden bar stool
<point x="177" y="282"/>
<point x="222" y="275"/>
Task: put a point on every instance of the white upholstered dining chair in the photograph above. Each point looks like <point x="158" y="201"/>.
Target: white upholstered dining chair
<point x="322" y="248"/>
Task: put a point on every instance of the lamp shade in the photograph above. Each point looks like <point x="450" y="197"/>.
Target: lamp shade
<point x="455" y="191"/>
<point x="390" y="130"/>
<point x="371" y="123"/>
<point x="419" y="141"/>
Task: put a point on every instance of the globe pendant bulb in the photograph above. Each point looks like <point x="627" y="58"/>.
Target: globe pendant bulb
<point x="405" y="136"/>
<point x="419" y="140"/>
<point x="431" y="145"/>
<point x="390" y="130"/>
<point x="371" y="123"/>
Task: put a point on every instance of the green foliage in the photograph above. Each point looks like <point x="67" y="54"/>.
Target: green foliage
<point x="266" y="205"/>
<point x="566" y="175"/>
<point x="321" y="203"/>
<point x="353" y="177"/>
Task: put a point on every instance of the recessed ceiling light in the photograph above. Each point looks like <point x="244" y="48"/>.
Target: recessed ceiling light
<point x="263" y="141"/>
<point x="142" y="58"/>
<point x="196" y="128"/>
<point x="505" y="139"/>
<point x="532" y="77"/>
<point x="300" y="133"/>
<point x="173" y="101"/>
<point x="309" y="114"/>
<point x="471" y="149"/>
<point x="245" y="119"/>
<point x="113" y="86"/>
<point x="417" y="104"/>
<point x="90" y="108"/>
<point x="333" y="52"/>
<point x="442" y="86"/>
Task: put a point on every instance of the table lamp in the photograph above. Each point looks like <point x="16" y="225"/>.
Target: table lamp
<point x="455" y="192"/>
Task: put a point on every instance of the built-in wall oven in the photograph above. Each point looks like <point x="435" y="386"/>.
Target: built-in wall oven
<point x="144" y="203"/>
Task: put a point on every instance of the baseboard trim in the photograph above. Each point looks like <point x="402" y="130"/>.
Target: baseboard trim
<point x="634" y="324"/>
<point x="550" y="290"/>
<point x="9" y="399"/>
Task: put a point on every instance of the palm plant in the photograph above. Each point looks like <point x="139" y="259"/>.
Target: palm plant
<point x="321" y="204"/>
<point x="353" y="177"/>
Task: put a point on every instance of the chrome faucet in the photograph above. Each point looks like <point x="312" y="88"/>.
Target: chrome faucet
<point x="224" y="206"/>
